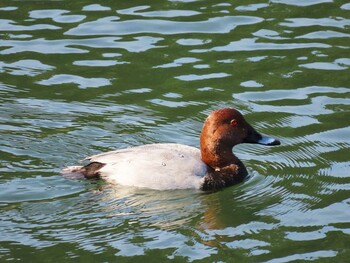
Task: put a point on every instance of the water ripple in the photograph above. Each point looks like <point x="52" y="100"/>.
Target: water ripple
<point x="135" y="11"/>
<point x="250" y="44"/>
<point x="44" y="46"/>
<point x="82" y="82"/>
<point x="298" y="3"/>
<point x="57" y="15"/>
<point x="11" y="26"/>
<point x="326" y="34"/>
<point x="96" y="7"/>
<point x="25" y="67"/>
<point x="28" y="189"/>
<point x="323" y="66"/>
<point x="112" y="26"/>
<point x="325" y="22"/>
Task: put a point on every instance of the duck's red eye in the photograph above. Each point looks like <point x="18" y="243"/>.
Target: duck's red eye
<point x="233" y="122"/>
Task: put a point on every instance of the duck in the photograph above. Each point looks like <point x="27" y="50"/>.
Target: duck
<point x="169" y="166"/>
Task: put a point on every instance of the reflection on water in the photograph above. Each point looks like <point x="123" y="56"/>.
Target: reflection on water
<point x="79" y="78"/>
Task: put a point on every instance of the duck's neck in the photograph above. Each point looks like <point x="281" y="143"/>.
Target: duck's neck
<point x="218" y="154"/>
<point x="225" y="168"/>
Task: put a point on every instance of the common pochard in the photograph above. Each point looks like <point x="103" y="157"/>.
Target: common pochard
<point x="176" y="166"/>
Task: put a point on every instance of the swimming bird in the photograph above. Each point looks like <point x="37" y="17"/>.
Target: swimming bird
<point x="165" y="166"/>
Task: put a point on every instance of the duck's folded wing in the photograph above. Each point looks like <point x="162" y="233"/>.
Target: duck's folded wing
<point x="161" y="148"/>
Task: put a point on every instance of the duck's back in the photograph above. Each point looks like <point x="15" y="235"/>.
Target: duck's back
<point x="157" y="166"/>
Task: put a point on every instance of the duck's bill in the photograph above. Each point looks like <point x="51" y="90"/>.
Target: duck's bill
<point x="256" y="137"/>
<point x="266" y="140"/>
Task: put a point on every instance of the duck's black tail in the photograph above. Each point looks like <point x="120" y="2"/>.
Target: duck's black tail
<point x="89" y="171"/>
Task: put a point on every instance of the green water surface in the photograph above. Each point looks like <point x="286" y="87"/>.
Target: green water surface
<point x="81" y="77"/>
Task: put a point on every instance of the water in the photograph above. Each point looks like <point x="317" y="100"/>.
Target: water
<point x="79" y="77"/>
